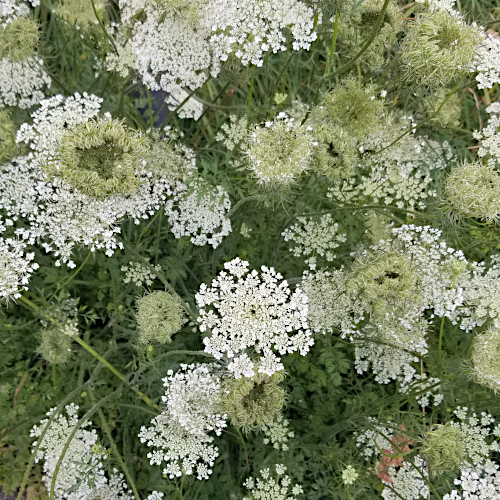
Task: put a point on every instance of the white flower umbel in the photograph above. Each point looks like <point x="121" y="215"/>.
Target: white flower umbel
<point x="200" y="212"/>
<point x="477" y="483"/>
<point x="482" y="296"/>
<point x="407" y="481"/>
<point x="192" y="397"/>
<point x="180" y="434"/>
<point x="192" y="108"/>
<point x="172" y="50"/>
<point x="277" y="433"/>
<point x="138" y="274"/>
<point x="487" y="61"/>
<point x="271" y="487"/>
<point x="16" y="267"/>
<point x="252" y="319"/>
<point x="184" y="44"/>
<point x="250" y="29"/>
<point x="489" y="136"/>
<point x="80" y="472"/>
<point x="314" y="238"/>
<point x="59" y="216"/>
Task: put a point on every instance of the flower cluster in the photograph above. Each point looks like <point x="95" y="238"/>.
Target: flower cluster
<point x="58" y="214"/>
<point x="279" y="151"/>
<point x="180" y="434"/>
<point x="180" y="44"/>
<point x="138" y="274"/>
<point x="314" y="238"/>
<point x="394" y="168"/>
<point x="251" y="318"/>
<point x="269" y="488"/>
<point x="278" y="433"/>
<point x="159" y="316"/>
<point x="79" y="474"/>
<point x="21" y="70"/>
<point x="200" y="212"/>
<point x="16" y="267"/>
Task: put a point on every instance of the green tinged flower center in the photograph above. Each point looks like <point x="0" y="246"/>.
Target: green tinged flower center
<point x="18" y="39"/>
<point x="448" y="36"/>
<point x="101" y="159"/>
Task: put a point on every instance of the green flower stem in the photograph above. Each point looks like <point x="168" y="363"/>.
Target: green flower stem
<point x="151" y="119"/>
<point x="455" y="88"/>
<point x="80" y="267"/>
<point x="71" y="436"/>
<point x="93" y="352"/>
<point x="368" y="42"/>
<point x="117" y="454"/>
<point x="103" y="27"/>
<point x="334" y="42"/>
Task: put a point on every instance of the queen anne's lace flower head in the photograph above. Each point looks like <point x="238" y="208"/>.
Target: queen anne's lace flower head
<point x="81" y="475"/>
<point x="473" y="190"/>
<point x="159" y="316"/>
<point x="251" y="318"/>
<point x="21" y="72"/>
<point x="438" y="48"/>
<point x="58" y="214"/>
<point x="181" y="433"/>
<point x="179" y="44"/>
<point x="279" y="151"/>
<point x="272" y="488"/>
<point x="253" y="401"/>
<point x="200" y="212"/>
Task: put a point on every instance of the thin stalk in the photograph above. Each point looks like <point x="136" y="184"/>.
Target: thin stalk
<point x="93" y="352"/>
<point x="151" y="120"/>
<point x="334" y="42"/>
<point x="103" y="27"/>
<point x="367" y="43"/>
<point x="118" y="456"/>
<point x="70" y="438"/>
<point x="455" y="88"/>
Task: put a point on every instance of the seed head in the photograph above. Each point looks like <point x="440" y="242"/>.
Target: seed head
<point x="159" y="316"/>
<point x="18" y="39"/>
<point x="486" y="359"/>
<point x="55" y="346"/>
<point x="99" y="158"/>
<point x="443" y="448"/>
<point x="473" y="190"/>
<point x="253" y="401"/>
<point x="438" y="47"/>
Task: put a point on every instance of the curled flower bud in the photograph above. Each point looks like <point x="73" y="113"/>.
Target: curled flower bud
<point x="18" y="39"/>
<point x="55" y="346"/>
<point x="349" y="107"/>
<point x="444" y="448"/>
<point x="382" y="279"/>
<point x="99" y="158"/>
<point x="159" y="316"/>
<point x="473" y="190"/>
<point x="279" y="152"/>
<point x="485" y="359"/>
<point x="253" y="402"/>
<point x="437" y="48"/>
